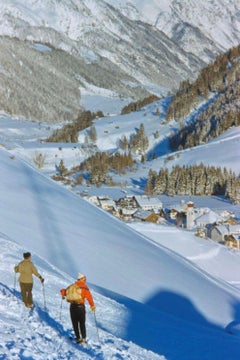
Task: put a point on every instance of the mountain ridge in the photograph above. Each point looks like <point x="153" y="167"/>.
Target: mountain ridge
<point x="102" y="46"/>
<point x="110" y="50"/>
<point x="215" y="21"/>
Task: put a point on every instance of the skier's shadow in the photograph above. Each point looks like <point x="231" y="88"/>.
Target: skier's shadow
<point x="51" y="322"/>
<point x="156" y="324"/>
<point x="8" y="291"/>
<point x="179" y="306"/>
<point x="168" y="320"/>
<point x="234" y="326"/>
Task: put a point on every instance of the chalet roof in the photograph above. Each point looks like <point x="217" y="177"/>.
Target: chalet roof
<point x="209" y="217"/>
<point x="177" y="207"/>
<point x="236" y="237"/>
<point x="108" y="202"/>
<point x="128" y="211"/>
<point x="228" y="229"/>
<point x="142" y="214"/>
<point x="234" y="228"/>
<point x="144" y="200"/>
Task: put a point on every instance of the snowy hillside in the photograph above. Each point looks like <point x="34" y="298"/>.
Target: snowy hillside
<point x="45" y="332"/>
<point x="184" y="290"/>
<point x="57" y="227"/>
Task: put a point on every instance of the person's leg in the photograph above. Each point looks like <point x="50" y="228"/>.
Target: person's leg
<point x="74" y="319"/>
<point x="82" y="321"/>
<point x="29" y="294"/>
<point x="23" y="288"/>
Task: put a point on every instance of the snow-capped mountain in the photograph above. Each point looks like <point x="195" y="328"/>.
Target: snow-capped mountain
<point x="202" y="27"/>
<point x="52" y="50"/>
<point x="98" y="44"/>
<point x="98" y="32"/>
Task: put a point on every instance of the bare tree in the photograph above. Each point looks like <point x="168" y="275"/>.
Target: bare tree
<point x="39" y="160"/>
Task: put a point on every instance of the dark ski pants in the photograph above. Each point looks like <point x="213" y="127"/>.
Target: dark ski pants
<point x="78" y="317"/>
<point x="26" y="291"/>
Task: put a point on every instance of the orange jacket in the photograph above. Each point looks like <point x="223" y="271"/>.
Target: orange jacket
<point x="86" y="294"/>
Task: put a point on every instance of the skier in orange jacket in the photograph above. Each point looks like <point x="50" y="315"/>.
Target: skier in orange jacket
<point x="77" y="307"/>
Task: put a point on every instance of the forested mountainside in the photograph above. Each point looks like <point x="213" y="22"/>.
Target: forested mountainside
<point x="205" y="109"/>
<point x="215" y="95"/>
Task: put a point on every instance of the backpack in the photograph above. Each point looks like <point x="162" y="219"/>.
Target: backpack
<point x="74" y="294"/>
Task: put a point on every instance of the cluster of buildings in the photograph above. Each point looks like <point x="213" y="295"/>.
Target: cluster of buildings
<point x="221" y="227"/>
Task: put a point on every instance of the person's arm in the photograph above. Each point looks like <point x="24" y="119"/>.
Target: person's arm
<point x="89" y="298"/>
<point x="36" y="273"/>
<point x="63" y="293"/>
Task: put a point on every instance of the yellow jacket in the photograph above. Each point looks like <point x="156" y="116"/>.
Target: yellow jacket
<point x="26" y="269"/>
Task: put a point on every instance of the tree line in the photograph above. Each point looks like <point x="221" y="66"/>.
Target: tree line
<point x="69" y="132"/>
<point x="137" y="105"/>
<point x="100" y="164"/>
<point x="194" y="180"/>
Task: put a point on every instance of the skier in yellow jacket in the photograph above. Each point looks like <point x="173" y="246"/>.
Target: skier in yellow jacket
<point x="26" y="269"/>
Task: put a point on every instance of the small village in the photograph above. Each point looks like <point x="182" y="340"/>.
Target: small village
<point x="224" y="227"/>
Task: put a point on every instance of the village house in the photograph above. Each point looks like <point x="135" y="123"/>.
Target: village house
<point x="145" y="202"/>
<point x="92" y="199"/>
<point x="207" y="220"/>
<point x="221" y="233"/>
<point x="176" y="212"/>
<point x="233" y="241"/>
<point x="172" y="213"/>
<point x="126" y="214"/>
<point x="218" y="232"/>
<point x="146" y="215"/>
<point x="127" y="202"/>
<point x="227" y="216"/>
<point x="106" y="204"/>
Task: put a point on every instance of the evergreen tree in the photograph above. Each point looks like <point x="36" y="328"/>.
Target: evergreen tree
<point x="62" y="169"/>
<point x="139" y="141"/>
<point x="93" y="134"/>
<point x="152" y="176"/>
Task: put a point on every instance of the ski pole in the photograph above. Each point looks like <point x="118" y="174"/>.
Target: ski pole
<point x="44" y="297"/>
<point x="96" y="327"/>
<point x="14" y="288"/>
<point x="61" y="309"/>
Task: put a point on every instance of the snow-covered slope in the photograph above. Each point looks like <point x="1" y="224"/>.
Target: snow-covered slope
<point x="44" y="332"/>
<point x="135" y="279"/>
